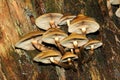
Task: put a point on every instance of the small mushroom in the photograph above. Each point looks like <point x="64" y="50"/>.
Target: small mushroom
<point x="53" y="36"/>
<point x="44" y="56"/>
<point x="64" y="18"/>
<point x="68" y="57"/>
<point x="82" y="25"/>
<point x="64" y="65"/>
<point x="44" y="21"/>
<point x="74" y="40"/>
<point x="117" y="13"/>
<point x="25" y="41"/>
<point x="93" y="44"/>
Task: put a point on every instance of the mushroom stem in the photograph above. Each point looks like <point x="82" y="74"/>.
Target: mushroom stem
<point x="91" y="50"/>
<point x="61" y="64"/>
<point x="52" y="24"/>
<point x="72" y="64"/>
<point x="69" y="61"/>
<point x="75" y="44"/>
<point x="59" y="46"/>
<point x="66" y="66"/>
<point x="39" y="46"/>
<point x="68" y="22"/>
<point x="83" y="30"/>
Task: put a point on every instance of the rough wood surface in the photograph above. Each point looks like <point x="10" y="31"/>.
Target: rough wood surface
<point x="14" y="22"/>
<point x="17" y="18"/>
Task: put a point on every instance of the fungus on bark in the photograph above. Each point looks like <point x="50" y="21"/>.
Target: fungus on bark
<point x="43" y="21"/>
<point x="44" y="56"/>
<point x="117" y="13"/>
<point x="64" y="18"/>
<point x="82" y="25"/>
<point x="26" y="41"/>
<point x="93" y="44"/>
<point x="78" y="27"/>
<point x="54" y="36"/>
<point x="74" y="40"/>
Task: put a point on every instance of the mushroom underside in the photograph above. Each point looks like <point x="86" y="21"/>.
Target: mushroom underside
<point x="47" y="59"/>
<point x="69" y="44"/>
<point x="27" y="44"/>
<point x="77" y="27"/>
<point x="51" y="39"/>
<point x="95" y="45"/>
<point x="43" y="22"/>
<point x="72" y="58"/>
<point x="117" y="13"/>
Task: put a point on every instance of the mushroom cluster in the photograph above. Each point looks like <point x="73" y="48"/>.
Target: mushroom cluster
<point x="64" y="47"/>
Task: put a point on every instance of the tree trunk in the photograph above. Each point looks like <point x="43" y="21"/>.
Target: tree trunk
<point x="17" y="19"/>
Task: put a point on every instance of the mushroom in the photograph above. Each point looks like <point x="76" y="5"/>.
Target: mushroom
<point x="82" y="25"/>
<point x="25" y="41"/>
<point x="93" y="44"/>
<point x="44" y="21"/>
<point x="69" y="57"/>
<point x="115" y="2"/>
<point x="74" y="40"/>
<point x="64" y="18"/>
<point x="117" y="13"/>
<point x="44" y="56"/>
<point x="64" y="65"/>
<point x="53" y="36"/>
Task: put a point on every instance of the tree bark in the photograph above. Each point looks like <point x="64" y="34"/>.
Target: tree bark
<point x="17" y="19"/>
<point x="14" y="22"/>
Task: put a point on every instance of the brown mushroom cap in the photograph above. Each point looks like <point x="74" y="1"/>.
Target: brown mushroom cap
<point x="44" y="56"/>
<point x="80" y="22"/>
<point x="95" y="43"/>
<point x="67" y="55"/>
<point x="80" y="17"/>
<point x="117" y="13"/>
<point x="43" y="22"/>
<point x="25" y="41"/>
<point x="115" y="2"/>
<point x="68" y="41"/>
<point x="50" y="35"/>
<point x="64" y="18"/>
